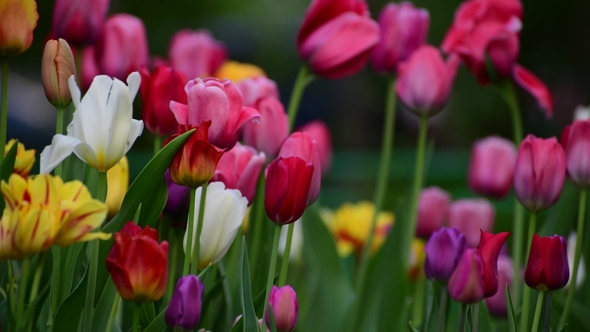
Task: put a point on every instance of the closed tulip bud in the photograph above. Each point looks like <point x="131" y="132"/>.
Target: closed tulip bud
<point x="256" y="88"/>
<point x="57" y="66"/>
<point x="539" y="172"/>
<point x="25" y="159"/>
<point x="320" y="133"/>
<point x="138" y="264"/>
<point x="336" y="37"/>
<point x="18" y="19"/>
<point x="491" y="168"/>
<point x="433" y="210"/>
<point x="268" y="135"/>
<point x="425" y="81"/>
<point x="238" y="71"/>
<point x="497" y="303"/>
<point x="118" y="183"/>
<point x="547" y="267"/>
<point x="403" y="28"/>
<point x="286" y="189"/>
<point x="196" y="53"/>
<point x="575" y="140"/>
<point x="444" y="249"/>
<point x="157" y="91"/>
<point x="79" y="21"/>
<point x="284" y="308"/>
<point x="302" y="145"/>
<point x="470" y="216"/>
<point x="184" y="310"/>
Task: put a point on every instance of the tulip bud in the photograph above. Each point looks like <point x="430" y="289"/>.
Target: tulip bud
<point x="184" y="310"/>
<point x="196" y="53"/>
<point x="57" y="66"/>
<point x="24" y="158"/>
<point x="283" y="302"/>
<point x="491" y="167"/>
<point x="470" y="216"/>
<point x="238" y="71"/>
<point x="444" y="249"/>
<point x="256" y="88"/>
<point x="79" y="21"/>
<point x="539" y="172"/>
<point x="547" y="267"/>
<point x="425" y="81"/>
<point x="433" y="210"/>
<point x="320" y="132"/>
<point x="403" y="28"/>
<point x="497" y="303"/>
<point x="575" y="140"/>
<point x="118" y="182"/>
<point x="302" y="145"/>
<point x="268" y="135"/>
<point x="18" y="19"/>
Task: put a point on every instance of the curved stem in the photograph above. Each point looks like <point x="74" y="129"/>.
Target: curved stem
<point x="136" y="312"/>
<point x="189" y="233"/>
<point x="197" y="248"/>
<point x="113" y="313"/>
<point x="4" y="107"/>
<point x="22" y="291"/>
<point x="463" y="319"/>
<point x="548" y="297"/>
<point x="286" y="255"/>
<point x="304" y="77"/>
<point x="157" y="144"/>
<point x="577" y="255"/>
<point x="538" y="308"/>
<point x="442" y="309"/>
<point x="271" y="272"/>
<point x="59" y="129"/>
<point x="524" y="318"/>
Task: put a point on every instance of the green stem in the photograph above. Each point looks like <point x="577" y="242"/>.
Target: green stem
<point x="157" y="144"/>
<point x="538" y="308"/>
<point x="463" y="319"/>
<point x="136" y="313"/>
<point x="189" y="231"/>
<point x="257" y="224"/>
<point x="227" y="296"/>
<point x="101" y="193"/>
<point x="418" y="302"/>
<point x="526" y="294"/>
<point x="11" y="287"/>
<point x="286" y="255"/>
<point x="271" y="271"/>
<point x="174" y="241"/>
<point x="304" y="77"/>
<point x="4" y="108"/>
<point x="22" y="291"/>
<point x="113" y="313"/>
<point x="548" y="297"/>
<point x="577" y="256"/>
<point x="197" y="248"/>
<point x="37" y="278"/>
<point x="59" y="129"/>
<point x="382" y="176"/>
<point x="442" y="309"/>
<point x="475" y="318"/>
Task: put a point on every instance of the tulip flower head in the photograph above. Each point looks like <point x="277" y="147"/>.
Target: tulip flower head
<point x="57" y="66"/>
<point x="320" y="133"/>
<point x="433" y="211"/>
<point x="138" y="264"/>
<point x="497" y="303"/>
<point x="470" y="216"/>
<point x="547" y="267"/>
<point x="302" y="145"/>
<point x="491" y="167"/>
<point x="575" y="140"/>
<point x="269" y="134"/>
<point x="256" y="88"/>
<point x="571" y="249"/>
<point x="444" y="249"/>
<point x="178" y="200"/>
<point x="79" y="21"/>
<point x="184" y="310"/>
<point x="118" y="183"/>
<point x="24" y="158"/>
<point x="238" y="71"/>
<point x="283" y="302"/>
<point x="18" y="19"/>
<point x="196" y="53"/>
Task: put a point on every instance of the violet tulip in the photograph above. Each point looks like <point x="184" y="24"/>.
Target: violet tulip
<point x="256" y="88"/>
<point x="320" y="132"/>
<point x="497" y="303"/>
<point x="539" y="173"/>
<point x="178" y="200"/>
<point x="122" y="46"/>
<point x="403" y="28"/>
<point x="79" y="21"/>
<point x="184" y="310"/>
<point x="18" y="19"/>
<point x="575" y="140"/>
<point x="196" y="53"/>
<point x="470" y="216"/>
<point x="433" y="210"/>
<point x="547" y="267"/>
<point x="491" y="167"/>
<point x="268" y="135"/>
<point x="336" y="37"/>
<point x="443" y="250"/>
<point x="425" y="81"/>
<point x="284" y="308"/>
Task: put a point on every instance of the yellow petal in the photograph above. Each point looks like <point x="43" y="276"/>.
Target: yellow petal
<point x="118" y="179"/>
<point x="14" y="191"/>
<point x="237" y="71"/>
<point x="35" y="231"/>
<point x="80" y="222"/>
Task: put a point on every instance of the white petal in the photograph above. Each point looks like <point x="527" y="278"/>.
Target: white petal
<point x="61" y="147"/>
<point x="118" y="115"/>
<point x="90" y="119"/>
<point x="74" y="91"/>
<point x="133" y="81"/>
<point x="134" y="132"/>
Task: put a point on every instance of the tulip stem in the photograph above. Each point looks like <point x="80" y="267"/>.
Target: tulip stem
<point x="4" y="109"/>
<point x="189" y="232"/>
<point x="538" y="308"/>
<point x="257" y="222"/>
<point x="136" y="314"/>
<point x="101" y="193"/>
<point x="463" y="319"/>
<point x="304" y="77"/>
<point x="37" y="278"/>
<point x="442" y="309"/>
<point x="286" y="255"/>
<point x="59" y="127"/>
<point x="157" y="143"/>
<point x="196" y="249"/>
<point x="577" y="256"/>
<point x="113" y="313"/>
<point x="11" y="286"/>
<point x="271" y="271"/>
<point x="548" y="298"/>
<point x="475" y="317"/>
<point x="526" y="293"/>
<point x="22" y="291"/>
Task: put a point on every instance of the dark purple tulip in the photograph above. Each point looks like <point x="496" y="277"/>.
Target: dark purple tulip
<point x="443" y="252"/>
<point x="178" y="199"/>
<point x="184" y="310"/>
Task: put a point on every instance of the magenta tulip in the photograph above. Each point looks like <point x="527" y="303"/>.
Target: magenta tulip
<point x="269" y="134"/>
<point x="196" y="53"/>
<point x="79" y="21"/>
<point x="575" y="140"/>
<point x="320" y="132"/>
<point x="491" y="167"/>
<point x="433" y="211"/>
<point x="470" y="216"/>
<point x="284" y="308"/>
<point x="256" y="88"/>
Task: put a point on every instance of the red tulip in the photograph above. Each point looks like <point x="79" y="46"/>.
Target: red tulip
<point x="547" y="267"/>
<point x="470" y="216"/>
<point x="575" y="140"/>
<point x="497" y="303"/>
<point x="433" y="211"/>
<point x="268" y="135"/>
<point x="320" y="132"/>
<point x="196" y="53"/>
<point x="79" y="21"/>
<point x="491" y="167"/>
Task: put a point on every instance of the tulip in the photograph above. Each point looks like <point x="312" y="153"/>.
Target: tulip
<point x="547" y="267"/>
<point x="196" y="53"/>
<point x="224" y="211"/>
<point x="238" y="71"/>
<point x="122" y="46"/>
<point x="416" y="260"/>
<point x="470" y="216"/>
<point x="425" y="81"/>
<point x="138" y="264"/>
<point x="433" y="210"/>
<point x="89" y="67"/>
<point x="444" y="249"/>
<point x="284" y="308"/>
<point x="57" y="66"/>
<point x="497" y="303"/>
<point x="336" y="37"/>
<point x="582" y="113"/>
<point x="118" y="182"/>
<point x="178" y="200"/>
<point x="286" y="189"/>
<point x="25" y="159"/>
<point x="79" y="21"/>
<point x="157" y="90"/>
<point x="539" y="172"/>
<point x="256" y="88"/>
<point x="302" y="145"/>
<point x="18" y="19"/>
<point x="491" y="167"/>
<point x="184" y="310"/>
<point x="404" y="29"/>
<point x="239" y="169"/>
<point x="217" y="101"/>
<point x="102" y="130"/>
<point x="571" y="249"/>
<point x="320" y="133"/>
<point x="268" y="135"/>
<point x="575" y="140"/>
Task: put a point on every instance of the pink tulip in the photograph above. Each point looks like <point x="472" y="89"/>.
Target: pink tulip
<point x="404" y="28"/>
<point x="217" y="101"/>
<point x="284" y="307"/>
<point x="302" y="145"/>
<point x="320" y="132"/>
<point x="196" y="53"/>
<point x="425" y="81"/>
<point x="497" y="303"/>
<point x="433" y="211"/>
<point x="471" y="216"/>
<point x="256" y="88"/>
<point x="268" y="135"/>
<point x="575" y="140"/>
<point x="491" y="167"/>
<point x="336" y="37"/>
<point x="79" y="21"/>
<point x="89" y="67"/>
<point x="539" y="173"/>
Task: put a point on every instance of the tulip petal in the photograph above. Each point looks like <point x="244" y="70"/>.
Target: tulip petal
<point x="74" y="91"/>
<point x="61" y="147"/>
<point x="533" y="85"/>
<point x="133" y="84"/>
<point x="489" y="248"/>
<point x="180" y="112"/>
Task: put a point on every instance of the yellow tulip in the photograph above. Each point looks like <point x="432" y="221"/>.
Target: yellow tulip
<point x="118" y="178"/>
<point x="416" y="261"/>
<point x="237" y="71"/>
<point x="24" y="158"/>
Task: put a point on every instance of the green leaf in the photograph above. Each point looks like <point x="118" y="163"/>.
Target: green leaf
<point x="7" y="166"/>
<point x="512" y="324"/>
<point x="148" y="313"/>
<point x="158" y="324"/>
<point x="238" y="326"/>
<point x="271" y="317"/>
<point x="248" y="313"/>
<point x="104" y="307"/>
<point x="152" y="207"/>
<point x="70" y="312"/>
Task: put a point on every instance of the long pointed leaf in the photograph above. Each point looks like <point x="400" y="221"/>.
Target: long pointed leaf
<point x="248" y="313"/>
<point x="512" y="324"/>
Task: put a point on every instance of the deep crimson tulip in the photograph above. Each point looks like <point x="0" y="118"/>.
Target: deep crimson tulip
<point x="79" y="21"/>
<point x="403" y="28"/>
<point x="336" y="37"/>
<point x="269" y="134"/>
<point x="219" y="102"/>
<point x="157" y="91"/>
<point x="547" y="267"/>
<point x="497" y="303"/>
<point x="539" y="172"/>
<point x="255" y="88"/>
<point x="491" y="167"/>
<point x="196" y="53"/>
<point x="195" y="163"/>
<point x="470" y="216"/>
<point x="285" y="308"/>
<point x="286" y="189"/>
<point x="320" y="132"/>
<point x="302" y="145"/>
<point x="184" y="310"/>
<point x="443" y="250"/>
<point x="575" y="140"/>
<point x="138" y="264"/>
<point x="433" y="210"/>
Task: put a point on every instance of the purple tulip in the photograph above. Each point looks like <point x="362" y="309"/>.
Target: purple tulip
<point x="443" y="251"/>
<point x="184" y="310"/>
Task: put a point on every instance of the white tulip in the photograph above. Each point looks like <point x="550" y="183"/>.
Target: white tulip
<point x="103" y="128"/>
<point x="224" y="211"/>
<point x="571" y="247"/>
